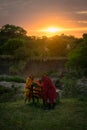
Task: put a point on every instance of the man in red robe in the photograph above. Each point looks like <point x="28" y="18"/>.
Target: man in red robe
<point x="49" y="91"/>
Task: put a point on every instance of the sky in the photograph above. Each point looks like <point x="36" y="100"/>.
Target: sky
<point x="70" y="16"/>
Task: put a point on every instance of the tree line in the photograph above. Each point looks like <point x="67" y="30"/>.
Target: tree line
<point x="15" y="43"/>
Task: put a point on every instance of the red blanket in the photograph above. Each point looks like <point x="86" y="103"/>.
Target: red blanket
<point x="49" y="90"/>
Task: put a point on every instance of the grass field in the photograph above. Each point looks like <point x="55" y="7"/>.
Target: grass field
<point x="70" y="114"/>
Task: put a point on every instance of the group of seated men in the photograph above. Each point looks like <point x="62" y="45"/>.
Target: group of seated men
<point x="43" y="88"/>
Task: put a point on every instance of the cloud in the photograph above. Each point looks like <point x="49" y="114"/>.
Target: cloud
<point x="12" y="7"/>
<point x="83" y="21"/>
<point x="12" y="3"/>
<point x="76" y="29"/>
<point x="1" y="8"/>
<point x="82" y="12"/>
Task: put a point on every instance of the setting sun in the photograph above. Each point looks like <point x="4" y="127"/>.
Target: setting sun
<point x="52" y="30"/>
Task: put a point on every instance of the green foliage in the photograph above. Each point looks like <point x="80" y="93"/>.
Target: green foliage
<point x="74" y="86"/>
<point x="23" y="53"/>
<point x="12" y="31"/>
<point x="78" y="57"/>
<point x="12" y="45"/>
<point x="53" y="73"/>
<point x="85" y="37"/>
<point x="18" y="67"/>
<point x="61" y="45"/>
<point x="12" y="79"/>
<point x="70" y="86"/>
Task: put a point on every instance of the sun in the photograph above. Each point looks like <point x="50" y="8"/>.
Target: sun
<point x="51" y="30"/>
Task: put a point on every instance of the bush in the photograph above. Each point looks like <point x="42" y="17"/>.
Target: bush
<point x="70" y="86"/>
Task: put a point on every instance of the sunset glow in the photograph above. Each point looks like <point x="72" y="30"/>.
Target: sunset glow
<point x="49" y="31"/>
<point x="48" y="17"/>
<point x="52" y="30"/>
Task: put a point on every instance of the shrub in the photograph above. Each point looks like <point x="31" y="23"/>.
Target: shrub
<point x="70" y="86"/>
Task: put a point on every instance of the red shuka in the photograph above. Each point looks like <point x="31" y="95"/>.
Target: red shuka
<point x="49" y="90"/>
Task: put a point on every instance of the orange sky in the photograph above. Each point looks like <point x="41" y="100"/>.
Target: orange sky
<point x="35" y="15"/>
<point x="65" y="24"/>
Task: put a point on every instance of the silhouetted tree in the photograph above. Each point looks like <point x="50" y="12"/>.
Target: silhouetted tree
<point x="11" y="31"/>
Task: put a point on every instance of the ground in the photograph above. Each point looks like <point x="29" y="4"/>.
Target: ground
<point x="70" y="114"/>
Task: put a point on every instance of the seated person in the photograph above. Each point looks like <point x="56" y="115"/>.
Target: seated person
<point x="27" y="88"/>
